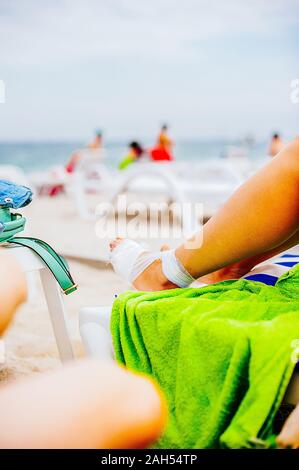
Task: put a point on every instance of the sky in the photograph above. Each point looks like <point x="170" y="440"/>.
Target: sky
<point x="209" y="68"/>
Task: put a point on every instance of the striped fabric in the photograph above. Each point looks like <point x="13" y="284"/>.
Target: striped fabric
<point x="270" y="272"/>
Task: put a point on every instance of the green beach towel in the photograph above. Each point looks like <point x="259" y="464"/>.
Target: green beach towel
<point x="222" y="354"/>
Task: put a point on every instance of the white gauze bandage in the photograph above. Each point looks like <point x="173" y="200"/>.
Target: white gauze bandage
<point x="174" y="270"/>
<point x="129" y="259"/>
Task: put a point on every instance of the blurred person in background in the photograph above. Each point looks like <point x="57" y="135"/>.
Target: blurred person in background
<point x="93" y="149"/>
<point x="136" y="151"/>
<point x="92" y="152"/>
<point x="276" y="145"/>
<point x="97" y="142"/>
<point x="164" y="146"/>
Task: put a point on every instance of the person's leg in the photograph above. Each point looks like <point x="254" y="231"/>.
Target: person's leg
<point x="89" y="404"/>
<point x="259" y="217"/>
<point x="240" y="268"/>
<point x="289" y="435"/>
<point x="13" y="288"/>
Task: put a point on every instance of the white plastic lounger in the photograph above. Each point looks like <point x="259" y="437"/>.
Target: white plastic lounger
<point x="97" y="341"/>
<point x="94" y="325"/>
<point x="208" y="182"/>
<point x="29" y="263"/>
<point x="45" y="181"/>
<point x="143" y="177"/>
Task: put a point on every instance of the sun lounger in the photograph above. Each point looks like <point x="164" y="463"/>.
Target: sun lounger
<point x="143" y="177"/>
<point x="30" y="262"/>
<point x="34" y="255"/>
<point x="207" y="182"/>
<point x="97" y="341"/>
<point x="95" y="331"/>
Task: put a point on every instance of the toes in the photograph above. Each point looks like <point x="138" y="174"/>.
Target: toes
<point x="114" y="243"/>
<point x="284" y="443"/>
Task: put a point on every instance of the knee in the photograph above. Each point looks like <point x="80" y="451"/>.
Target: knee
<point x="294" y="150"/>
<point x="128" y="410"/>
<point x="290" y="156"/>
<point x="147" y="413"/>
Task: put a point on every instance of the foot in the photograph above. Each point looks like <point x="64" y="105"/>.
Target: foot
<point x="289" y="436"/>
<point x="152" y="278"/>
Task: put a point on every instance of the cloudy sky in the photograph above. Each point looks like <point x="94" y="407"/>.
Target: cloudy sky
<point x="211" y="68"/>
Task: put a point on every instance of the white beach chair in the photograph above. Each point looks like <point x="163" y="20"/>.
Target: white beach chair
<point x="30" y="262"/>
<point x="57" y="175"/>
<point x="209" y="182"/>
<point x="16" y="175"/>
<point x="90" y="176"/>
<point x="94" y="325"/>
<point x="142" y="177"/>
<point x="45" y="181"/>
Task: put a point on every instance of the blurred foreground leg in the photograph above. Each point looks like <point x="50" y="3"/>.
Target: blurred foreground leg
<point x="90" y="404"/>
<point x="13" y="288"/>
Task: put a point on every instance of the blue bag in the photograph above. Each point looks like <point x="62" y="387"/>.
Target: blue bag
<point x="14" y="196"/>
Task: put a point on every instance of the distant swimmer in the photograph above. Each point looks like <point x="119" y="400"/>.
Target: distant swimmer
<point x="164" y="140"/>
<point x="136" y="151"/>
<point x="97" y="142"/>
<point x="276" y="145"/>
<point x="163" y="149"/>
<point x="93" y="149"/>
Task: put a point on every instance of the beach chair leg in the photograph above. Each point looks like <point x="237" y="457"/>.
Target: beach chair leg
<point x="78" y="193"/>
<point x="94" y="323"/>
<point x="96" y="340"/>
<point x="31" y="278"/>
<point x="57" y="315"/>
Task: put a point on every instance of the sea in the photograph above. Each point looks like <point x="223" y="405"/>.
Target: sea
<point x="36" y="156"/>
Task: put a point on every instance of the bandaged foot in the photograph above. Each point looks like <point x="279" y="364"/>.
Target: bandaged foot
<point x="145" y="270"/>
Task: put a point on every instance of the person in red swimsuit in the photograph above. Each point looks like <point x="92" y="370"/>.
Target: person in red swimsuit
<point x="163" y="149"/>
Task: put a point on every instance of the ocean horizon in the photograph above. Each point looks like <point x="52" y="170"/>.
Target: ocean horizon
<point x="39" y="155"/>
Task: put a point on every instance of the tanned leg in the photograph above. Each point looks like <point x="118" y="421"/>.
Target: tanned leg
<point x="256" y="222"/>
